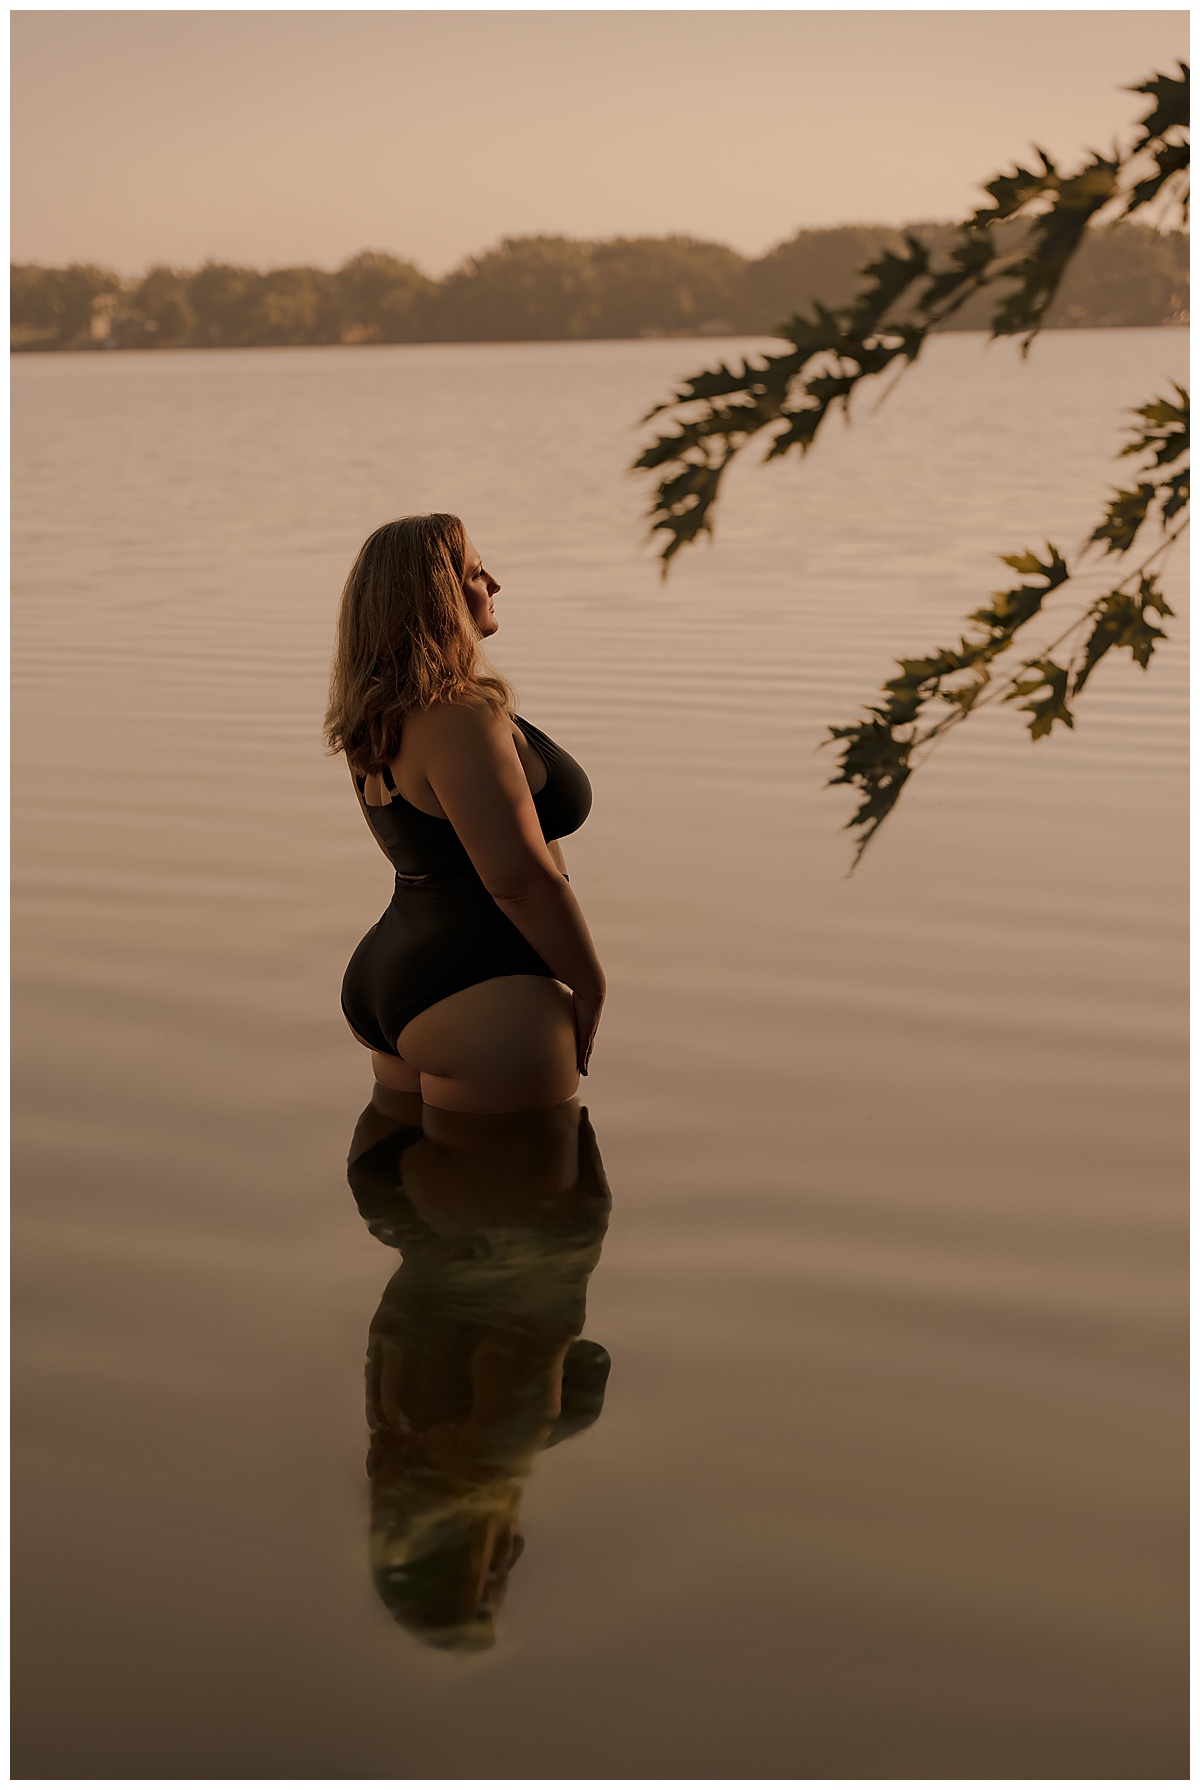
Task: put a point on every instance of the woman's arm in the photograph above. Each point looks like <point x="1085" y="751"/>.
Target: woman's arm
<point x="470" y="762"/>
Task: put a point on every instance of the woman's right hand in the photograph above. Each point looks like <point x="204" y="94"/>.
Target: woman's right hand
<point x="587" y="1021"/>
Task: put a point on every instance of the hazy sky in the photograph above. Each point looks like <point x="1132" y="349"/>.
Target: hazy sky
<point x="277" y="137"/>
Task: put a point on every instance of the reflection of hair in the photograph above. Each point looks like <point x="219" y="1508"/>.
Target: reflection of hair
<point x="405" y="638"/>
<point x="429" y="1529"/>
<point x="427" y="1552"/>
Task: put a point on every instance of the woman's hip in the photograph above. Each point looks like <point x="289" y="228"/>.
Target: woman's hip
<point x="500" y="1044"/>
<point x="420" y="954"/>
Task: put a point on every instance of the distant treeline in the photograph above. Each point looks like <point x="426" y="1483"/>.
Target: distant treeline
<point x="549" y="288"/>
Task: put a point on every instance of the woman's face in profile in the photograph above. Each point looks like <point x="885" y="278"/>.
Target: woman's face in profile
<point x="479" y="588"/>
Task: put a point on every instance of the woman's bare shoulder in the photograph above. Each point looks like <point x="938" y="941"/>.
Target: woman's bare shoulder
<point x="460" y="722"/>
<point x="464" y="711"/>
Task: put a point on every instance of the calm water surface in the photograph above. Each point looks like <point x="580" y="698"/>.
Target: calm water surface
<point x="886" y="1477"/>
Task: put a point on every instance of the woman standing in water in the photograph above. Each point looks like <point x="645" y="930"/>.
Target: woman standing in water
<point x="479" y="988"/>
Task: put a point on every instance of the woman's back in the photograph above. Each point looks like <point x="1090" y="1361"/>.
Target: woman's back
<point x="421" y="843"/>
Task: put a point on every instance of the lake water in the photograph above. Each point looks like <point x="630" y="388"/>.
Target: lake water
<point x="889" y="1474"/>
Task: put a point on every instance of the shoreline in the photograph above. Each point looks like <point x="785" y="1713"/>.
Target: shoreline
<point x="111" y="348"/>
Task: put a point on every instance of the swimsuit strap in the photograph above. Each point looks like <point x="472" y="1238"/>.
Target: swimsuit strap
<point x="389" y="781"/>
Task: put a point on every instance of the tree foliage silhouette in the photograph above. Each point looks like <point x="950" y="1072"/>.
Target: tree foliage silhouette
<point x="1017" y="248"/>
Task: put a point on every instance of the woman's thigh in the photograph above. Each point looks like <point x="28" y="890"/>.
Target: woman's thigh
<point x="504" y="1045"/>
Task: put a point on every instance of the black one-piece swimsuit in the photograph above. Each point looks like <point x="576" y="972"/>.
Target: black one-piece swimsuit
<point x="442" y="931"/>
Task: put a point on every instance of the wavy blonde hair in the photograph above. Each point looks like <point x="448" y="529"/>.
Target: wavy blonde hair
<point x="405" y="639"/>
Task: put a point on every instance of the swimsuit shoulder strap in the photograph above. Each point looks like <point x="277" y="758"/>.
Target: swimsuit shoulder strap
<point x="389" y="781"/>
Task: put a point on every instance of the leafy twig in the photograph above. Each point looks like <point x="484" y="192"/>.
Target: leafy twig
<point x="832" y="352"/>
<point x="880" y="752"/>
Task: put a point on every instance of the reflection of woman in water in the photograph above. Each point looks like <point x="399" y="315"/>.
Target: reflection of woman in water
<point x="480" y="987"/>
<point x="475" y="1362"/>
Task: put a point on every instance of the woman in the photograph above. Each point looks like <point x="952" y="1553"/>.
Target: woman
<point x="480" y="988"/>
